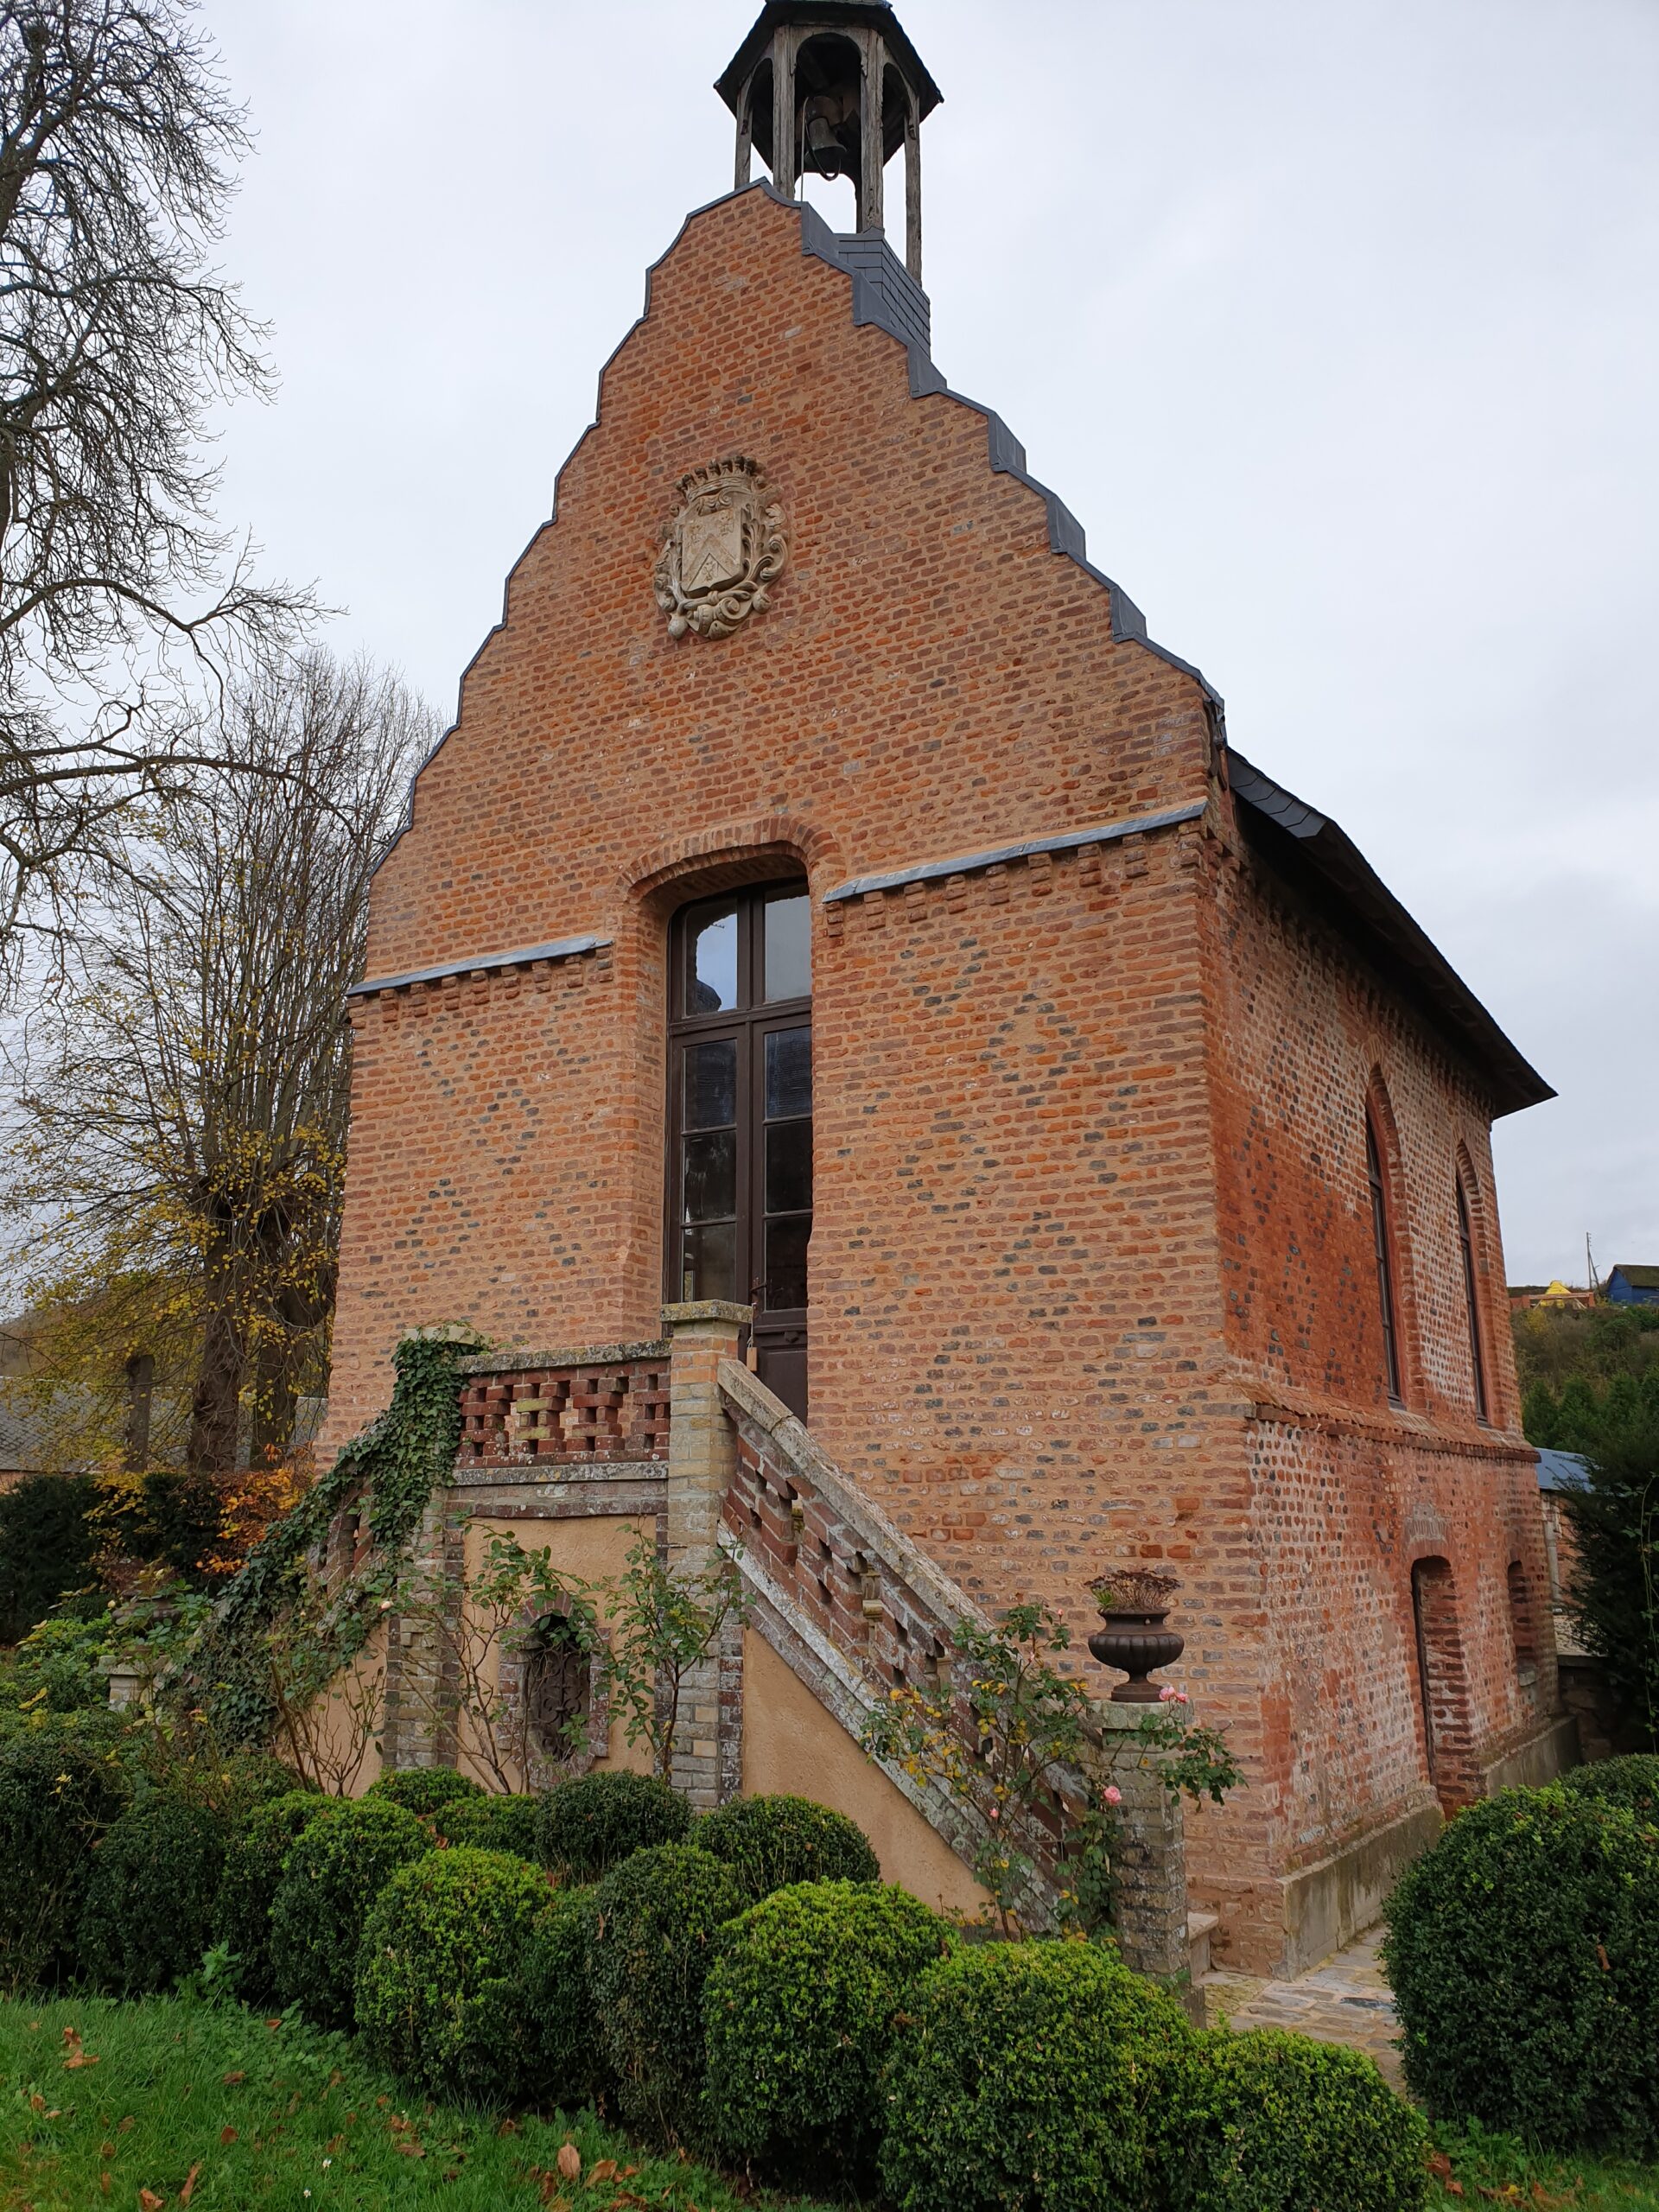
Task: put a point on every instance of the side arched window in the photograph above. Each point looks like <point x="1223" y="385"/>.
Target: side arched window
<point x="1471" y="1300"/>
<point x="1388" y="1304"/>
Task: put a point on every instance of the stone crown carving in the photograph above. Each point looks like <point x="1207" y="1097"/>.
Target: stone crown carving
<point x="725" y="547"/>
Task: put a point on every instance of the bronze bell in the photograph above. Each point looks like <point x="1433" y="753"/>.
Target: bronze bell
<point x="821" y="145"/>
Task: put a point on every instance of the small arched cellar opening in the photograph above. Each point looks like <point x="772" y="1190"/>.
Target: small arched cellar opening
<point x="1443" y="1685"/>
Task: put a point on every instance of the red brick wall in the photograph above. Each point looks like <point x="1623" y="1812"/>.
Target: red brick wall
<point x="1091" y="1272"/>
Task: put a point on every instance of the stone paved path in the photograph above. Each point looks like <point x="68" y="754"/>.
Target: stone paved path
<point x="1346" y="2001"/>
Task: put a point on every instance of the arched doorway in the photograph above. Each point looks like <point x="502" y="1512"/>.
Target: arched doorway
<point x="740" y="1117"/>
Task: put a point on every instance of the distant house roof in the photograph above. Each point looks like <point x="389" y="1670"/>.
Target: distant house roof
<point x="1309" y="848"/>
<point x="1638" y="1278"/>
<point x="1562" y="1470"/>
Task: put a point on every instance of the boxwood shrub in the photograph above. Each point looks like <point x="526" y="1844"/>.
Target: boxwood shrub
<point x="1021" y="2082"/>
<point x="1524" y="1953"/>
<point x="333" y="1875"/>
<point x="57" y="1797"/>
<point x="1632" y="1781"/>
<point x="491" y="1824"/>
<point x="772" y="1842"/>
<point x="423" y="1789"/>
<point x="799" y="2012"/>
<point x="149" y="1914"/>
<point x="592" y="1824"/>
<point x="655" y="1920"/>
<point x="1269" y="2122"/>
<point x="571" y="2067"/>
<point x="254" y="1859"/>
<point x="439" y="1992"/>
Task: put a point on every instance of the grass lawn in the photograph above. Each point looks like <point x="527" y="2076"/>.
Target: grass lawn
<point x="1475" y="2170"/>
<point x="173" y="2103"/>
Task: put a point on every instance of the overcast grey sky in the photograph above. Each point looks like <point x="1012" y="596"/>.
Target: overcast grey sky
<point x="1333" y="321"/>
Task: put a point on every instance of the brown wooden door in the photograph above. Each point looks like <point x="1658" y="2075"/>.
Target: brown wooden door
<point x="740" y="1117"/>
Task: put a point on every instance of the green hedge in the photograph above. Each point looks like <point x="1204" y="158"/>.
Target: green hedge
<point x="1268" y="2122"/>
<point x="773" y="1842"/>
<point x="1632" y="1781"/>
<point x="424" y="1789"/>
<point x="1524" y="1955"/>
<point x="799" y="2012"/>
<point x="254" y="1860"/>
<point x="149" y="1914"/>
<point x="334" y="1872"/>
<point x="592" y="1824"/>
<point x="655" y="1919"/>
<point x="1022" y="2079"/>
<point x="571" y="2066"/>
<point x="439" y="1995"/>
<point x="57" y="1798"/>
<point x="493" y="1824"/>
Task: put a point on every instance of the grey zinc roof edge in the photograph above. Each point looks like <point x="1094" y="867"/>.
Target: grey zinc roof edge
<point x="1066" y="533"/>
<point x="564" y="947"/>
<point x="1068" y="841"/>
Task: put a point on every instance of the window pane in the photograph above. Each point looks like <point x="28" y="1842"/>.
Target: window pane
<point x="789" y="949"/>
<point x="786" y="1244"/>
<point x="708" y="1263"/>
<point x="789" y="1073"/>
<point x="711" y="1176"/>
<point x="789" y="1168"/>
<point x="711" y="961"/>
<point x="711" y="1085"/>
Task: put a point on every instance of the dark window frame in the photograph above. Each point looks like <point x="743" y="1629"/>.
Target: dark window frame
<point x="1383" y="1241"/>
<point x="748" y="1024"/>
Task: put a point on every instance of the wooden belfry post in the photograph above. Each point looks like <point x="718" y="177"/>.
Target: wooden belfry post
<point x="835" y="88"/>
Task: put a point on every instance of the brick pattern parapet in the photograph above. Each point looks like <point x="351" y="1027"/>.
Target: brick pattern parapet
<point x="563" y="1409"/>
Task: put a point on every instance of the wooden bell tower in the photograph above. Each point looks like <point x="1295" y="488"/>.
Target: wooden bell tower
<point x="836" y="88"/>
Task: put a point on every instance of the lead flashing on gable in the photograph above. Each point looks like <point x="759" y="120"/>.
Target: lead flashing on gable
<point x="1069" y="841"/>
<point x="564" y="947"/>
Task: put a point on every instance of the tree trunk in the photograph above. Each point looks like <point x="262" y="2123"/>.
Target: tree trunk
<point x="214" y="1403"/>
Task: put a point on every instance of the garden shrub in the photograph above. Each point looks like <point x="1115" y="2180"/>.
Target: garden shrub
<point x="423" y="1789"/>
<point x="1524" y="1953"/>
<point x="798" y="2012"/>
<point x="56" y="1798"/>
<point x="491" y="1824"/>
<point x="773" y="1842"/>
<point x="655" y="1919"/>
<point x="254" y="1860"/>
<point x="149" y="1914"/>
<point x="46" y="1546"/>
<point x="592" y="1824"/>
<point x="1632" y="1781"/>
<point x="1269" y="2122"/>
<point x="55" y="1669"/>
<point x="235" y="1786"/>
<point x="571" y="2064"/>
<point x="1021" y="2082"/>
<point x="439" y="1976"/>
<point x="334" y="1871"/>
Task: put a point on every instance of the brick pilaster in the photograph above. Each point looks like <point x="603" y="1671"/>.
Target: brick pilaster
<point x="702" y="1460"/>
<point x="1150" y="1917"/>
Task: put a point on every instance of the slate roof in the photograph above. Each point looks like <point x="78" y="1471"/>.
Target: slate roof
<point x="27" y="1439"/>
<point x="1562" y="1470"/>
<point x="1309" y="848"/>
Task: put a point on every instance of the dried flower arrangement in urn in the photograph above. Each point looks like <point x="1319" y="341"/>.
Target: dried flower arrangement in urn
<point x="1133" y="1602"/>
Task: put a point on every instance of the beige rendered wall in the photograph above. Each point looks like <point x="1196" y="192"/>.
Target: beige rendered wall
<point x="357" y="1689"/>
<point x="791" y="1745"/>
<point x="587" y="1550"/>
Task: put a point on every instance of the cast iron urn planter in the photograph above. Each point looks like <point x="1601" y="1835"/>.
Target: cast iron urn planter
<point x="1134" y="1604"/>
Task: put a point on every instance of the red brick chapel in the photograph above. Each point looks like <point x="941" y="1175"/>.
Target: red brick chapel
<point x="833" y="942"/>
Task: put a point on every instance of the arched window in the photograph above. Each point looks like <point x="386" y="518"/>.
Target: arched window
<point x="1443" y="1685"/>
<point x="1521" y="1631"/>
<point x="558" y="1691"/>
<point x="1386" y="1302"/>
<point x="1471" y="1300"/>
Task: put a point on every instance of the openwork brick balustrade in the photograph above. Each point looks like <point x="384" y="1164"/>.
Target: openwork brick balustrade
<point x="563" y="1411"/>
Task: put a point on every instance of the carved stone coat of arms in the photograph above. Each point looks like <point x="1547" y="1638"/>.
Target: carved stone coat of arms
<point x="723" y="548"/>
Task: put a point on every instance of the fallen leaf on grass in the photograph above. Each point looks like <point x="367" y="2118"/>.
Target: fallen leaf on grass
<point x="104" y="2181"/>
<point x="229" y="2080"/>
<point x="570" y="2161"/>
<point x="151" y="2201"/>
<point x="227" y="2135"/>
<point x="508" y="2127"/>
<point x="81" y="2058"/>
<point x="189" y="2188"/>
<point x="107" y="2150"/>
<point x="604" y="2170"/>
<point x="410" y="2150"/>
<point x="37" y="2103"/>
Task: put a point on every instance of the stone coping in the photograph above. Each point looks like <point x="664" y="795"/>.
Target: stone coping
<point x="521" y="1362"/>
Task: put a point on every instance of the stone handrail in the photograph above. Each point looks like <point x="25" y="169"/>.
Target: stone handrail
<point x="564" y="1408"/>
